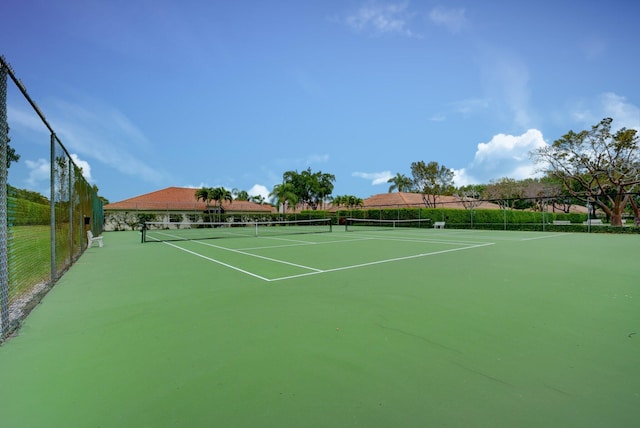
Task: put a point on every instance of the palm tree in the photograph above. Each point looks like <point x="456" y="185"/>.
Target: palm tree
<point x="400" y="182"/>
<point x="258" y="199"/>
<point x="348" y="201"/>
<point x="241" y="195"/>
<point x="220" y="194"/>
<point x="338" y="201"/>
<point x="205" y="194"/>
<point x="283" y="193"/>
<point x="354" y="202"/>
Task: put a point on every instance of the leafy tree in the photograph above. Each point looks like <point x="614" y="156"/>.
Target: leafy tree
<point x="470" y="195"/>
<point x="325" y="187"/>
<point x="284" y="193"/>
<point x="597" y="166"/>
<point x="240" y="195"/>
<point x="432" y="180"/>
<point x="28" y="195"/>
<point x="12" y="156"/>
<point x="504" y="191"/>
<point x="310" y="188"/>
<point x="348" y="201"/>
<point x="61" y="184"/>
<point x="559" y="198"/>
<point x="401" y="183"/>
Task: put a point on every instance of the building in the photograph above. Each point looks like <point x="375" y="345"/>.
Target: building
<point x="414" y="200"/>
<point x="173" y="204"/>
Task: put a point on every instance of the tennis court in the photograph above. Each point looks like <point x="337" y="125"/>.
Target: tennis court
<point x="373" y="328"/>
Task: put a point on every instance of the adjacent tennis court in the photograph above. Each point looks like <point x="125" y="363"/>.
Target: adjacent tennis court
<point x="374" y="327"/>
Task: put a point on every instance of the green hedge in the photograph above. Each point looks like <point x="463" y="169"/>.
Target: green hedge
<point x="27" y="213"/>
<point x="487" y="219"/>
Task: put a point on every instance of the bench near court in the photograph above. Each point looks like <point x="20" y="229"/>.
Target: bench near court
<point x="91" y="239"/>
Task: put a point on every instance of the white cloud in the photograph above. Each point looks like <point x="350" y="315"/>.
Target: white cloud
<point x="259" y="189"/>
<point x="608" y="104"/>
<point x="503" y="156"/>
<point x="93" y="131"/>
<point x="39" y="171"/>
<point x="375" y="177"/>
<point x="97" y="132"/>
<point x="623" y="113"/>
<point x="84" y="165"/>
<point x="462" y="178"/>
<point x="387" y="18"/>
<point x="453" y="19"/>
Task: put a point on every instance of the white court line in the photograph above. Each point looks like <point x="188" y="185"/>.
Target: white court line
<point x="544" y="237"/>
<point x="494" y="235"/>
<point x="288" y="240"/>
<point x="268" y="247"/>
<point x="380" y="262"/>
<point x="425" y="240"/>
<point x="186" y="238"/>
<point x="217" y="261"/>
<point x="314" y="271"/>
<point x="256" y="256"/>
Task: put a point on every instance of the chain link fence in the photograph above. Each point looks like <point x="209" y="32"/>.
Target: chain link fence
<point x="46" y="205"/>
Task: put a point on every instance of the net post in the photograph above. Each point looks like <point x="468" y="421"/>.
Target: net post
<point x="143" y="235"/>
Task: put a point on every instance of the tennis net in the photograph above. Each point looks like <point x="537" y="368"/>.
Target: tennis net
<point x="185" y="231"/>
<point x="355" y="224"/>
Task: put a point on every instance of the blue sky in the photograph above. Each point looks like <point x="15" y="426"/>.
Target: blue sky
<point x="151" y="94"/>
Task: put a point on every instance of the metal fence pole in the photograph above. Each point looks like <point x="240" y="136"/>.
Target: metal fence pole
<point x="4" y="262"/>
<point x="71" y="218"/>
<point x="52" y="202"/>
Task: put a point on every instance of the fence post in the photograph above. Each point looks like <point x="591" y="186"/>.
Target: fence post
<point x="4" y="262"/>
<point x="52" y="203"/>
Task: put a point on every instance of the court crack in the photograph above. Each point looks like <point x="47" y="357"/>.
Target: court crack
<point x="484" y="375"/>
<point x="422" y="338"/>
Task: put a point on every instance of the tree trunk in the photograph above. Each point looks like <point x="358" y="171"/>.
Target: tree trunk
<point x="616" y="218"/>
<point x="636" y="212"/>
<point x="618" y="209"/>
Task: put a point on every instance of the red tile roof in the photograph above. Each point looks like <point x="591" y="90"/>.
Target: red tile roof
<point x="414" y="200"/>
<point x="183" y="199"/>
<point x="180" y="199"/>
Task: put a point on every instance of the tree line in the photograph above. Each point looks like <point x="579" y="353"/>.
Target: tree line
<point x="596" y="168"/>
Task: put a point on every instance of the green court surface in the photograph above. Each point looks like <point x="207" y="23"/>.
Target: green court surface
<point x="403" y="328"/>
